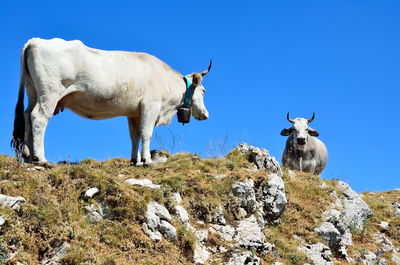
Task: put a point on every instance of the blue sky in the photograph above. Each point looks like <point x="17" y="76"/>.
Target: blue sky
<point x="340" y="59"/>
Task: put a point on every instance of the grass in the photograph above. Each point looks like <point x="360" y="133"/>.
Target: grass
<point x="54" y="211"/>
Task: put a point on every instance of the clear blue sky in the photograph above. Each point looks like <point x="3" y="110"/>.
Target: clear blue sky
<point x="340" y="59"/>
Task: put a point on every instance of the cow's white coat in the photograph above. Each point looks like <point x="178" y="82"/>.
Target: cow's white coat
<point x="98" y="84"/>
<point x="310" y="157"/>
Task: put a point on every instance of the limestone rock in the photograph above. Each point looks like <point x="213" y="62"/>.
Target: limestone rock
<point x="226" y="232"/>
<point x="91" y="192"/>
<point x="182" y="214"/>
<point x="176" y="198"/>
<point x="318" y="253"/>
<point x="200" y="254"/>
<point x="167" y="229"/>
<point x="158" y="157"/>
<point x="356" y="210"/>
<point x="156" y="222"/>
<point x="13" y="202"/>
<point x="94" y="213"/>
<point x="371" y="258"/>
<point x="396" y="206"/>
<point x="244" y="258"/>
<point x="2" y="221"/>
<point x="272" y="198"/>
<point x="55" y="256"/>
<point x="261" y="158"/>
<point x="159" y="210"/>
<point x="218" y="217"/>
<point x="245" y="193"/>
<point x="249" y="235"/>
<point x="338" y="240"/>
<point x="143" y="183"/>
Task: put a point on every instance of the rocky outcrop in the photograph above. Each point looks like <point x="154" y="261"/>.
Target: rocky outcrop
<point x="356" y="211"/>
<point x="249" y="235"/>
<point x="246" y="195"/>
<point x="272" y="199"/>
<point x="318" y="253"/>
<point x="261" y="158"/>
<point x="157" y="222"/>
<point x="244" y="258"/>
<point x="349" y="214"/>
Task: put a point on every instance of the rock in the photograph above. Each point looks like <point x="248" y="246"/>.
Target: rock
<point x="272" y="199"/>
<point x="13" y="202"/>
<point x="244" y="258"/>
<point x="226" y="232"/>
<point x="384" y="225"/>
<point x="396" y="259"/>
<point x="338" y="240"/>
<point x="323" y="185"/>
<point x="318" y="253"/>
<point x="245" y="193"/>
<point x="182" y="214"/>
<point x="156" y="222"/>
<point x="176" y="198"/>
<point x="91" y="192"/>
<point x="396" y="206"/>
<point x="218" y="217"/>
<point x="201" y="254"/>
<point x="159" y="210"/>
<point x="154" y="235"/>
<point x="221" y="176"/>
<point x="158" y="157"/>
<point x="261" y="158"/>
<point x="2" y="221"/>
<point x="167" y="230"/>
<point x="370" y="258"/>
<point x="201" y="235"/>
<point x="37" y="168"/>
<point x="55" y="256"/>
<point x="143" y="183"/>
<point x="356" y="211"/>
<point x="291" y="173"/>
<point x="249" y="235"/>
<point x="386" y="244"/>
<point x="94" y="213"/>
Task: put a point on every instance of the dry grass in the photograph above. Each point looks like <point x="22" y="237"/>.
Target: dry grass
<point x="54" y="211"/>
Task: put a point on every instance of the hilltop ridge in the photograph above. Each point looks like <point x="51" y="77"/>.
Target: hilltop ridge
<point x="239" y="209"/>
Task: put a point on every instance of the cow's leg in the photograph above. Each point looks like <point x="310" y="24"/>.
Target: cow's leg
<point x="134" y="132"/>
<point x="150" y="112"/>
<point x="28" y="139"/>
<point x="40" y="116"/>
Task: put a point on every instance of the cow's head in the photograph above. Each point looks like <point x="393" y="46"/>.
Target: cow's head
<point x="300" y="130"/>
<point x="199" y="110"/>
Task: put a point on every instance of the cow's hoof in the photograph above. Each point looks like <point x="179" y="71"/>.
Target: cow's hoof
<point x="148" y="163"/>
<point x="136" y="163"/>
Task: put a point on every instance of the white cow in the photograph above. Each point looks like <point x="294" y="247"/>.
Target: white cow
<point x="98" y="84"/>
<point x="303" y="151"/>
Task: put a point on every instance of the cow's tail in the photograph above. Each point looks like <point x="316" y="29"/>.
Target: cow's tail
<point x="17" y="141"/>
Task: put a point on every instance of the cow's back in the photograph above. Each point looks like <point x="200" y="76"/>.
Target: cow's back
<point x="99" y="84"/>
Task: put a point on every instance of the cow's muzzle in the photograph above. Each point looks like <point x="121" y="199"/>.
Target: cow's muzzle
<point x="301" y="141"/>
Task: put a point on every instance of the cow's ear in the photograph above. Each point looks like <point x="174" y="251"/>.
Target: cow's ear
<point x="313" y="132"/>
<point x="196" y="79"/>
<point x="286" y="132"/>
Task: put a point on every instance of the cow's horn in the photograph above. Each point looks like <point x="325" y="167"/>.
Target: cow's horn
<point x="312" y="118"/>
<point x="207" y="70"/>
<point x="287" y="117"/>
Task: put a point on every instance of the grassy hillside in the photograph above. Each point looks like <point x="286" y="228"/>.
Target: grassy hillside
<point x="54" y="210"/>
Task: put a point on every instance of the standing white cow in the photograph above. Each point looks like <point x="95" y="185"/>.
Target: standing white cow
<point x="98" y="84"/>
<point x="303" y="151"/>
